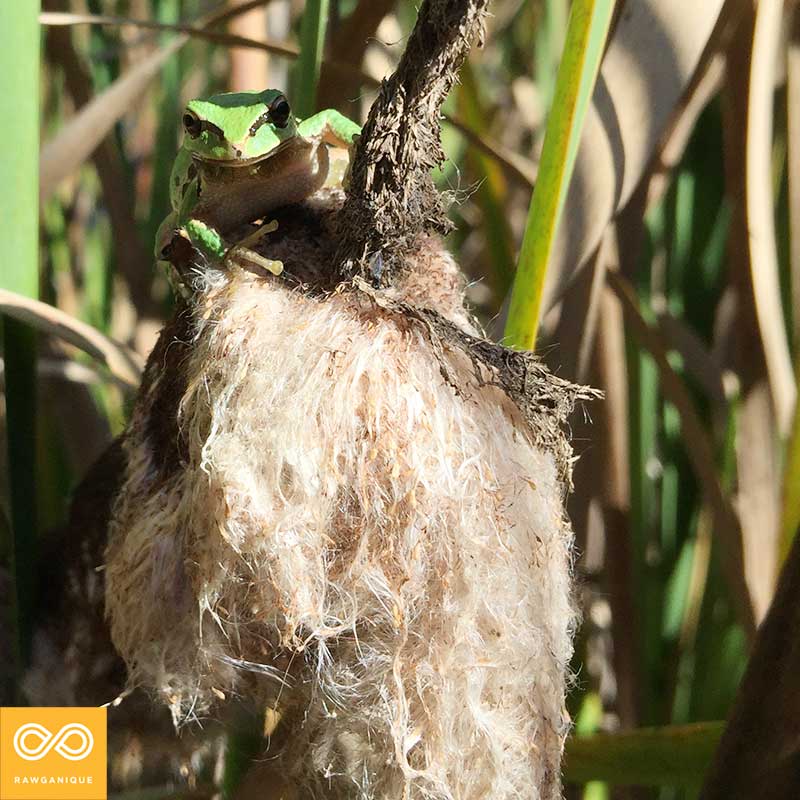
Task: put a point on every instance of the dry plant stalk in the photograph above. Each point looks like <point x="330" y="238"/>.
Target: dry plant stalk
<point x="345" y="505"/>
<point x="392" y="198"/>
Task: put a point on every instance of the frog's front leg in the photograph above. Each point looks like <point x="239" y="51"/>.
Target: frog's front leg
<point x="206" y="239"/>
<point x="210" y="242"/>
<point x="169" y="256"/>
<point x="335" y="129"/>
<point x="331" y="127"/>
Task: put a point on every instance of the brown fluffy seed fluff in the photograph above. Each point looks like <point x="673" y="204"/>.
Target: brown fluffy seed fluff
<point x="380" y="556"/>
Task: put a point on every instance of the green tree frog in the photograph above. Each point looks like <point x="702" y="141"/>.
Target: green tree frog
<point x="243" y="155"/>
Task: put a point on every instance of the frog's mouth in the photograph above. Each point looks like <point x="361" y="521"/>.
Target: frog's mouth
<point x="206" y="164"/>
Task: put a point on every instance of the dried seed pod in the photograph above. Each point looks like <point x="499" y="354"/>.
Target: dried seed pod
<point x="347" y="506"/>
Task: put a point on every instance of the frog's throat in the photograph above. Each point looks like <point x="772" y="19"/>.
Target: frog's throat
<point x="229" y="198"/>
<point x="201" y="159"/>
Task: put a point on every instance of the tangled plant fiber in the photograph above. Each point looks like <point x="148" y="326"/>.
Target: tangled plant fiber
<point x="332" y="508"/>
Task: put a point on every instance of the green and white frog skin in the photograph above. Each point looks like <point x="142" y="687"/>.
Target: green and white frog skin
<point x="243" y="155"/>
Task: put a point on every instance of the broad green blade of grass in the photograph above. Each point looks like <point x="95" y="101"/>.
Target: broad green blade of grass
<point x="676" y="755"/>
<point x="312" y="44"/>
<point x="583" y="50"/>
<point x="19" y="218"/>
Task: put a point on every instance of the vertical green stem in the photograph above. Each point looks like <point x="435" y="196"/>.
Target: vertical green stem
<point x="583" y="50"/>
<point x="312" y="44"/>
<point x="19" y="219"/>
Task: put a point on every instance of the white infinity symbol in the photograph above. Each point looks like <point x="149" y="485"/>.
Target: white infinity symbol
<point x="57" y="742"/>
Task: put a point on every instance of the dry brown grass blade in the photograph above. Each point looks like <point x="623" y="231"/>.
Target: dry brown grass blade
<point x="705" y="83"/>
<point x="130" y="252"/>
<point x="758" y="496"/>
<point x="793" y="166"/>
<point x="591" y="343"/>
<point x="217" y="16"/>
<point x="756" y="434"/>
<point x="193" y="30"/>
<point x="647" y="68"/>
<point x="124" y="364"/>
<point x="225" y="12"/>
<point x="760" y="210"/>
<point x="617" y="504"/>
<point x="578" y="316"/>
<point x="699" y="451"/>
<point x="79" y="138"/>
<point x="202" y="31"/>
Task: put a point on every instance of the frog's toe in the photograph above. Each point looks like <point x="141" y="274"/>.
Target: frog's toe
<point x="269" y="227"/>
<point x="253" y="262"/>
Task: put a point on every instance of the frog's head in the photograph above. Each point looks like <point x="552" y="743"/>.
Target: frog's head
<point x="238" y="126"/>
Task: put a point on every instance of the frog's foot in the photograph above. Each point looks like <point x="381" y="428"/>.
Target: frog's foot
<point x="248" y="259"/>
<point x="242" y="255"/>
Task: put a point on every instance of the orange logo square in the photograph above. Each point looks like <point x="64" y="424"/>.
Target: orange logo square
<point x="52" y="753"/>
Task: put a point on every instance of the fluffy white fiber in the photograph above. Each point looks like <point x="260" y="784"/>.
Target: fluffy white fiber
<point x="390" y="556"/>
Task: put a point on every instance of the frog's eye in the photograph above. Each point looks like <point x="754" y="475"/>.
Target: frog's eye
<point x="192" y="124"/>
<point x="279" y="112"/>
